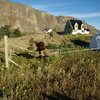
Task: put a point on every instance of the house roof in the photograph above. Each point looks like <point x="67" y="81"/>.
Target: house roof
<point x="47" y="29"/>
<point x="79" y="22"/>
<point x="87" y="29"/>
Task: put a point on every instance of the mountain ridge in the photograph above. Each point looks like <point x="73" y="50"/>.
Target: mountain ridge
<point x="29" y="19"/>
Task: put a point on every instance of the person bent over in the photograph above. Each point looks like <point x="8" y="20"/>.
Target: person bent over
<point x="41" y="48"/>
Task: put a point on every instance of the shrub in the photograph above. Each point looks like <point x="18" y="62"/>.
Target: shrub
<point x="31" y="40"/>
<point x="30" y="48"/>
<point x="17" y="32"/>
<point x="6" y="30"/>
<point x="52" y="46"/>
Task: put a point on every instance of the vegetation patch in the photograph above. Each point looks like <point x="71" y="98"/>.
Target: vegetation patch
<point x="7" y="30"/>
<point x="68" y="76"/>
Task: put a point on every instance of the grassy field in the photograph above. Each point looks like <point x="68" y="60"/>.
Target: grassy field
<point x="68" y="76"/>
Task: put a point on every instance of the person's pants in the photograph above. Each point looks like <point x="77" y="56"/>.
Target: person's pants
<point x="40" y="53"/>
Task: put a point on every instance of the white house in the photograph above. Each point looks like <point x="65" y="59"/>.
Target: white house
<point x="48" y="30"/>
<point x="77" y="27"/>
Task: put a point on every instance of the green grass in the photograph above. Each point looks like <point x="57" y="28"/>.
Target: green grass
<point x="59" y="77"/>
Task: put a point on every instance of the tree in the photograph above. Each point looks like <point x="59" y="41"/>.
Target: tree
<point x="5" y="30"/>
<point x="17" y="32"/>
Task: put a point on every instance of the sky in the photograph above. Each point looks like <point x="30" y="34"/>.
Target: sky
<point x="87" y="10"/>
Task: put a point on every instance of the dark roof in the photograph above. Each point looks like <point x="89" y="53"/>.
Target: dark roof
<point x="46" y="29"/>
<point x="87" y="29"/>
<point x="74" y="21"/>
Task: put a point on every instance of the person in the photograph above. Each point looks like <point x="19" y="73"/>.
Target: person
<point x="41" y="48"/>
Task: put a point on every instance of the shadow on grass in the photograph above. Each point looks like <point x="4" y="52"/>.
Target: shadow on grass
<point x="57" y="96"/>
<point x="26" y="55"/>
<point x="29" y="56"/>
<point x="61" y="33"/>
<point x="81" y="43"/>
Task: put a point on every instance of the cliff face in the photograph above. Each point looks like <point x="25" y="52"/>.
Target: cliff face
<point x="29" y="19"/>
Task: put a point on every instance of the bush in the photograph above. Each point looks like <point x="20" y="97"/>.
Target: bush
<point x="17" y="32"/>
<point x="52" y="46"/>
<point x="30" y="48"/>
<point x="6" y="30"/>
<point x="31" y="40"/>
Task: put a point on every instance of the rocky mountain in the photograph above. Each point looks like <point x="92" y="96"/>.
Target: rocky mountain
<point x="29" y="19"/>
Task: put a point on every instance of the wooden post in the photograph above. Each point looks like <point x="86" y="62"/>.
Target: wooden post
<point x="6" y="51"/>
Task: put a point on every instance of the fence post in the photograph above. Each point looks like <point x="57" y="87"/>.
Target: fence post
<point x="6" y="51"/>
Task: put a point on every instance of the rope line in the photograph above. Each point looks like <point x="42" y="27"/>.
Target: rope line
<point x="56" y="52"/>
<point x="61" y="52"/>
<point x="81" y="50"/>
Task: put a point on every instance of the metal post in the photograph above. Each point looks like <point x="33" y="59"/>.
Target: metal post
<point x="6" y="51"/>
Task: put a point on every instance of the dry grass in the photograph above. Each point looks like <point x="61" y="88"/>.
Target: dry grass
<point x="61" y="77"/>
<point x="75" y="76"/>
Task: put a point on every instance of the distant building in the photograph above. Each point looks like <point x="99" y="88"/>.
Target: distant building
<point x="76" y="27"/>
<point x="47" y="30"/>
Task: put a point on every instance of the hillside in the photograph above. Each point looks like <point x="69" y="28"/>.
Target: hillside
<point x="29" y="19"/>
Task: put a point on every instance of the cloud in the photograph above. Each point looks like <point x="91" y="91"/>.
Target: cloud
<point x="53" y="9"/>
<point x="48" y="6"/>
<point x="87" y="15"/>
<point x="39" y="6"/>
<point x="77" y="15"/>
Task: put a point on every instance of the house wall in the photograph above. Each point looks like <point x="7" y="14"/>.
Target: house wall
<point x="69" y="29"/>
<point x="80" y="32"/>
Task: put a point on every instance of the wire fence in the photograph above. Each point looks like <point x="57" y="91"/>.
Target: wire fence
<point x="8" y="51"/>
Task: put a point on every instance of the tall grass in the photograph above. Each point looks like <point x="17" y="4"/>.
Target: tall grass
<point x="72" y="75"/>
<point x="61" y="77"/>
